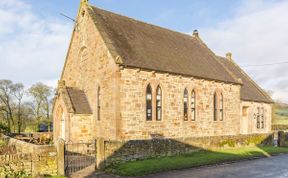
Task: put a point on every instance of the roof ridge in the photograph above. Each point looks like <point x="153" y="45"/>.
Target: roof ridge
<point x="250" y="79"/>
<point x="147" y="23"/>
<point x="229" y="71"/>
<point x="115" y="40"/>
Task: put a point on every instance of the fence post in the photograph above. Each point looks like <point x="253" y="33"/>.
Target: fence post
<point x="60" y="157"/>
<point x="100" y="154"/>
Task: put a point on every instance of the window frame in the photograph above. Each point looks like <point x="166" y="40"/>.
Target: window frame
<point x="193" y="105"/>
<point x="159" y="107"/>
<point x="215" y="106"/>
<point x="258" y="120"/>
<point x="221" y="107"/>
<point x="185" y="104"/>
<point x="98" y="103"/>
<point x="149" y="103"/>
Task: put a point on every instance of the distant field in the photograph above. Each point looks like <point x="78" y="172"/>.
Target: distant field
<point x="280" y="114"/>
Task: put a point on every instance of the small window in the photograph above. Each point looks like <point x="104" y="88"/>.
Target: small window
<point x="221" y="111"/>
<point x="215" y="106"/>
<point x="149" y="103"/>
<point x="159" y="103"/>
<point x="258" y="118"/>
<point x="98" y="103"/>
<point x="193" y="106"/>
<point x="262" y="118"/>
<point x="185" y="103"/>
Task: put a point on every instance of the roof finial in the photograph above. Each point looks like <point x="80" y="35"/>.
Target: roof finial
<point x="84" y="2"/>
<point x="196" y="34"/>
<point x="229" y="56"/>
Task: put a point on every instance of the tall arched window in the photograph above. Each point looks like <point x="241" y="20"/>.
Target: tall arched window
<point x="98" y="103"/>
<point x="221" y="112"/>
<point x="185" y="104"/>
<point x="149" y="103"/>
<point x="193" y="105"/>
<point x="215" y="106"/>
<point x="159" y="104"/>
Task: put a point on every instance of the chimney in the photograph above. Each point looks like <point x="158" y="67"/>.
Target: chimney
<point x="229" y="56"/>
<point x="195" y="34"/>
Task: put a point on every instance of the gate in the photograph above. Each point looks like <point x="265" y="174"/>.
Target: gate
<point x="78" y="156"/>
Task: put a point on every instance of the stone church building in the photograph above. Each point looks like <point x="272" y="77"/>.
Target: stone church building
<point x="124" y="79"/>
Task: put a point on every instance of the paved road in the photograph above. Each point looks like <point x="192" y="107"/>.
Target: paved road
<point x="273" y="167"/>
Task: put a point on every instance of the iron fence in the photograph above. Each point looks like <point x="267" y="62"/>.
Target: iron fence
<point x="79" y="155"/>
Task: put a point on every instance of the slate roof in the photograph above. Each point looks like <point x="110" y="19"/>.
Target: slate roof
<point x="250" y="91"/>
<point x="147" y="46"/>
<point x="79" y="101"/>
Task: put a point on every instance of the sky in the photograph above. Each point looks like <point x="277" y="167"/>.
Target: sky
<point x="34" y="37"/>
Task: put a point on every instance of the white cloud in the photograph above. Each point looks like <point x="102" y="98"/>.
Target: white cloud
<point x="257" y="34"/>
<point x="32" y="48"/>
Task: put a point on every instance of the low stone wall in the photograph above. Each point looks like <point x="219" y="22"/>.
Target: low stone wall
<point x="34" y="159"/>
<point x="279" y="127"/>
<point x="122" y="151"/>
<point x="283" y="139"/>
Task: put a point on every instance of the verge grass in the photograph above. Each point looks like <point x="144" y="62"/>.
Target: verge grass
<point x="200" y="158"/>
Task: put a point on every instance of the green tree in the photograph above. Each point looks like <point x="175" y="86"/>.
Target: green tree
<point x="40" y="94"/>
<point x="6" y="99"/>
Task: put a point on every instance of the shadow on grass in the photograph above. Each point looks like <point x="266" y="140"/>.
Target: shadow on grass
<point x="162" y="154"/>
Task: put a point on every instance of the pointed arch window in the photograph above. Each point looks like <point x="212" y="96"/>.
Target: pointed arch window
<point x="149" y="103"/>
<point x="185" y="105"/>
<point x="193" y="105"/>
<point x="98" y="103"/>
<point x="215" y="106"/>
<point x="221" y="111"/>
<point x="158" y="103"/>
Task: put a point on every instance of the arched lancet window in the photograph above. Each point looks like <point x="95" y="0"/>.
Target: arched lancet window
<point x="193" y="105"/>
<point x="258" y="117"/>
<point x="149" y="103"/>
<point x="221" y="111"/>
<point x="215" y="106"/>
<point x="83" y="66"/>
<point x="185" y="104"/>
<point x="98" y="103"/>
<point x="262" y="118"/>
<point x="159" y="104"/>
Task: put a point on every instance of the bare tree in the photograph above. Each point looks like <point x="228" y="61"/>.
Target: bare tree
<point x="18" y="92"/>
<point x="6" y="99"/>
<point x="40" y="94"/>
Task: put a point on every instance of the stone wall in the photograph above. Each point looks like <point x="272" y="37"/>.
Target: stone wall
<point x="133" y="104"/>
<point x="120" y="151"/>
<point x="249" y="122"/>
<point x="98" y="69"/>
<point x="34" y="159"/>
<point x="81" y="128"/>
<point x="283" y="138"/>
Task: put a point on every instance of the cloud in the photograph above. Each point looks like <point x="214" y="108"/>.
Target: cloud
<point x="257" y="34"/>
<point x="32" y="47"/>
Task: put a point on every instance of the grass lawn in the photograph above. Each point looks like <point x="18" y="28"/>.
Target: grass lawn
<point x="138" y="168"/>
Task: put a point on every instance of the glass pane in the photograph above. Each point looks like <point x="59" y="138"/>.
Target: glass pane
<point x="148" y="103"/>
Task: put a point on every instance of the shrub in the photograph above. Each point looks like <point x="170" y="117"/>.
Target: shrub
<point x="8" y="172"/>
<point x="4" y="129"/>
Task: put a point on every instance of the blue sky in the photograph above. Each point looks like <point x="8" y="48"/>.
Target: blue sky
<point x="182" y="15"/>
<point x="34" y="36"/>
